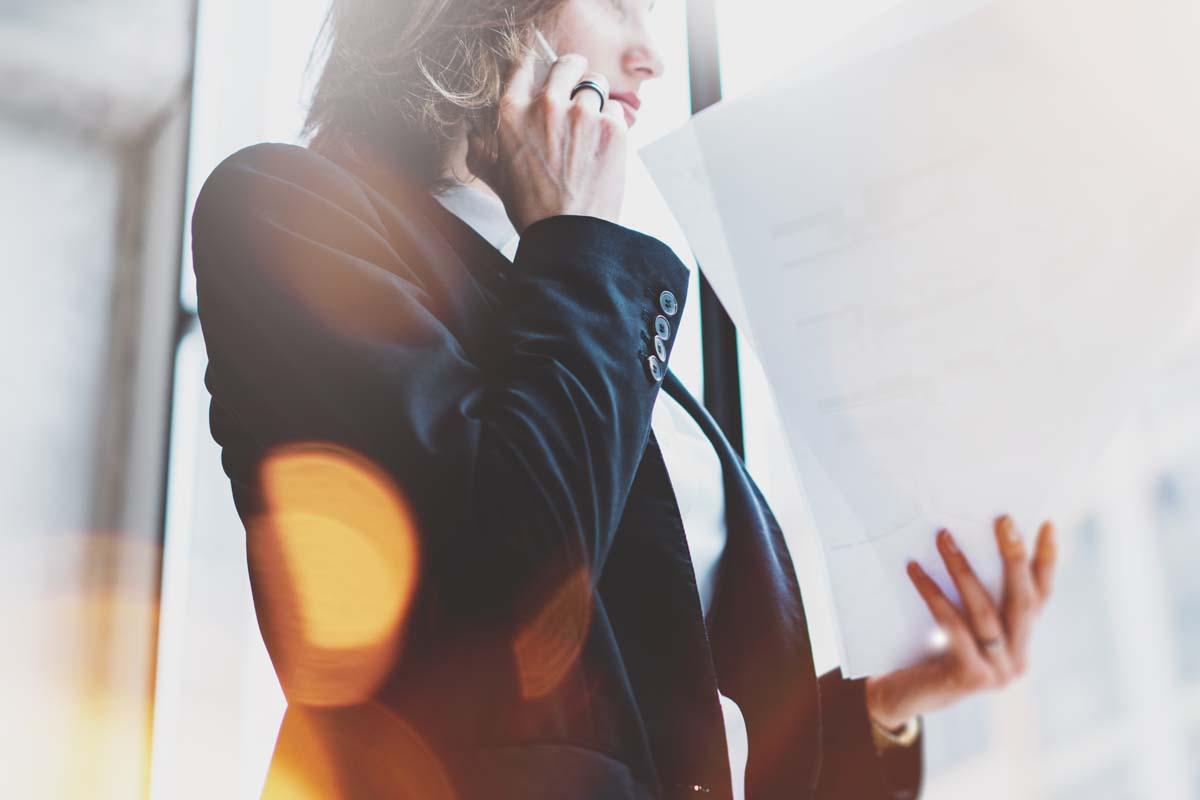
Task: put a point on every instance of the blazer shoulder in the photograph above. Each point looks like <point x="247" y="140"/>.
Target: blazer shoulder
<point x="277" y="161"/>
<point x="275" y="178"/>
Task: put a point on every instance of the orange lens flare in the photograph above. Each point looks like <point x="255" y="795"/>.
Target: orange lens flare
<point x="335" y="566"/>
<point x="546" y="649"/>
<point x="363" y="751"/>
<point x="80" y="611"/>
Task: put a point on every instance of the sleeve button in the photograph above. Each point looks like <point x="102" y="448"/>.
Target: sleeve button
<point x="660" y="349"/>
<point x="662" y="327"/>
<point x="657" y="371"/>
<point x="668" y="303"/>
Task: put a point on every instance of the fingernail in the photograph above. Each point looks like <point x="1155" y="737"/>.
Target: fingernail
<point x="1007" y="529"/>
<point x="949" y="543"/>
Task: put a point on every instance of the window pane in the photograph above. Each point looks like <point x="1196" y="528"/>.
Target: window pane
<point x="1177" y="518"/>
<point x="217" y="702"/>
<point x="759" y="39"/>
<point x="1075" y="682"/>
<point x="249" y="87"/>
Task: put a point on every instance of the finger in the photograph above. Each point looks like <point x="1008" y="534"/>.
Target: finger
<point x="589" y="97"/>
<point x="1045" y="557"/>
<point x="970" y="669"/>
<point x="616" y="112"/>
<point x="961" y="663"/>
<point x="944" y="612"/>
<point x="520" y="80"/>
<point x="564" y="74"/>
<point x="1020" y="596"/>
<point x="981" y="613"/>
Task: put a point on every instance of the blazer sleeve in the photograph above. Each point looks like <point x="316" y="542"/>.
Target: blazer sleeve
<point x="320" y="326"/>
<point x="851" y="766"/>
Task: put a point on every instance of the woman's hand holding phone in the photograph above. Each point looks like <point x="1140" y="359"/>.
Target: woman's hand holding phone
<point x="553" y="154"/>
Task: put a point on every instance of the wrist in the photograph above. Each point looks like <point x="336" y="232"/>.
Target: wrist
<point x="881" y="711"/>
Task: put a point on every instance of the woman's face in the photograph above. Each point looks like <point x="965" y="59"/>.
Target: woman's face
<point x="614" y="37"/>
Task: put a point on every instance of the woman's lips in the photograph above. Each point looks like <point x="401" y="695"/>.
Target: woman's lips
<point x="630" y="103"/>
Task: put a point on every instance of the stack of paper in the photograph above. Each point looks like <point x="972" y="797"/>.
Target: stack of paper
<point x="958" y="243"/>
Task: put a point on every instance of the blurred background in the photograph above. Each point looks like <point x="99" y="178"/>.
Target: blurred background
<point x="133" y="663"/>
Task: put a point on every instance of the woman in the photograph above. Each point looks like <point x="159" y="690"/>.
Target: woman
<point x="603" y="604"/>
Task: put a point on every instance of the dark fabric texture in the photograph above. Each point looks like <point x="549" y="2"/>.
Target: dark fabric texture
<point x="510" y="403"/>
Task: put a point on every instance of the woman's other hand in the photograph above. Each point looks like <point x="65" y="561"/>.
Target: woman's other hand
<point x="554" y="154"/>
<point x="987" y="644"/>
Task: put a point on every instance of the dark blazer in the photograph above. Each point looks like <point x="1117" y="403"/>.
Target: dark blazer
<point x="511" y="403"/>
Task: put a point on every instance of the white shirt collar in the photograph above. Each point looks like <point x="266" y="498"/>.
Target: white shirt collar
<point x="485" y="213"/>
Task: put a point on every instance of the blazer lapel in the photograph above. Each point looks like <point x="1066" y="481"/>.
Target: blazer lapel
<point x="758" y="631"/>
<point x="649" y="595"/>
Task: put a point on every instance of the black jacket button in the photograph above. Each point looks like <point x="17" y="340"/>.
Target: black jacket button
<point x="668" y="303"/>
<point x="657" y="370"/>
<point x="662" y="327"/>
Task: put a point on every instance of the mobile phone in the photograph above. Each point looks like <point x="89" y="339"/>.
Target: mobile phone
<point x="541" y="70"/>
<point x="544" y="45"/>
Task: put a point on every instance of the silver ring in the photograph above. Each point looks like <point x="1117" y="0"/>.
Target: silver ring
<point x="988" y="645"/>
<point x="588" y="83"/>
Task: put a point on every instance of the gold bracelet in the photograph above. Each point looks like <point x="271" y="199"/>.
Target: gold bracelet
<point x="885" y="739"/>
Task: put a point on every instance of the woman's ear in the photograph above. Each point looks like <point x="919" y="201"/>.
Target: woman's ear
<point x="482" y="152"/>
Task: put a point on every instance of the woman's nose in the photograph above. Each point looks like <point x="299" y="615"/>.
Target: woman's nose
<point x="642" y="60"/>
<point x="645" y="64"/>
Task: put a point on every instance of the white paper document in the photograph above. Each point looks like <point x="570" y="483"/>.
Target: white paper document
<point x="959" y="243"/>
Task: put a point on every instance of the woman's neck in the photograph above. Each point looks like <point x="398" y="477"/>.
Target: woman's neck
<point x="456" y="168"/>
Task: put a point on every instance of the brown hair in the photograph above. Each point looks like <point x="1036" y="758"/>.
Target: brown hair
<point x="407" y="77"/>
